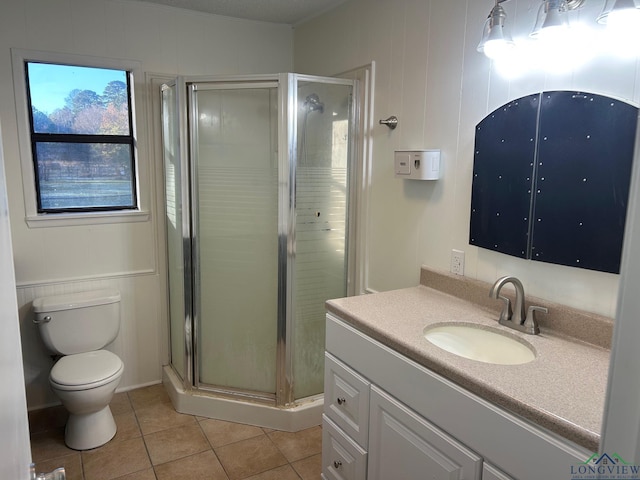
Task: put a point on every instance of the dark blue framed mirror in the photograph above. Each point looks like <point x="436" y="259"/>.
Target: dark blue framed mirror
<point x="551" y="179"/>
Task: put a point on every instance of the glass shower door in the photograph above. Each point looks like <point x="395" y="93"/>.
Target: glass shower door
<point x="324" y="122"/>
<point x="235" y="218"/>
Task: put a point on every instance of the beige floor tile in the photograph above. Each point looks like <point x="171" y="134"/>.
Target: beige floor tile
<point x="147" y="396"/>
<point x="161" y="416"/>
<point x="147" y="474"/>
<point x="47" y="419"/>
<point x="250" y="457"/>
<point x="281" y="473"/>
<point x="222" y="433"/>
<point x="72" y="465"/>
<point x="127" y="425"/>
<point x="115" y="460"/>
<point x="120" y="403"/>
<point x="168" y="445"/>
<point x="309" y="468"/>
<point x="298" y="445"/>
<point x="203" y="466"/>
<point x="48" y="445"/>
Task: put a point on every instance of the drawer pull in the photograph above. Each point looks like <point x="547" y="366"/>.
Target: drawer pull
<point x="337" y="464"/>
<point x="341" y="400"/>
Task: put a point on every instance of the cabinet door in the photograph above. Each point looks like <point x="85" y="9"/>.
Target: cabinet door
<point x="342" y="458"/>
<point x="489" y="472"/>
<point x="406" y="446"/>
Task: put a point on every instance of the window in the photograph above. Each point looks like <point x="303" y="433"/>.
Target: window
<point x="84" y="157"/>
<point x="81" y="137"/>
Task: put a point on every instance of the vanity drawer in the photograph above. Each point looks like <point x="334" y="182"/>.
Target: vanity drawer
<point x="342" y="458"/>
<point x="346" y="399"/>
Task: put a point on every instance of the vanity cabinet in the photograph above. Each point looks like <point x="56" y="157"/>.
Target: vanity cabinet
<point x="367" y="430"/>
<point x="403" y="421"/>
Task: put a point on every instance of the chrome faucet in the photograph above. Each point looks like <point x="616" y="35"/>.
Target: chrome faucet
<point x="516" y="318"/>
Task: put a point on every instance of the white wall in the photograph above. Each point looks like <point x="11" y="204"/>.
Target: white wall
<point x="15" y="454"/>
<point x="131" y="256"/>
<point x="429" y="74"/>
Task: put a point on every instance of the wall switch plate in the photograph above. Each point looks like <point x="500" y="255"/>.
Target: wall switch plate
<point x="457" y="262"/>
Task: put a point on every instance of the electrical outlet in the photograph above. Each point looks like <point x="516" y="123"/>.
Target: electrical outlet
<point x="457" y="262"/>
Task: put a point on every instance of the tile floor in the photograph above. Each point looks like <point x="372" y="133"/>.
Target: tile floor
<point x="154" y="442"/>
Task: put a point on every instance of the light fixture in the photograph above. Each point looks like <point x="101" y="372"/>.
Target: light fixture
<point x="622" y="18"/>
<point x="615" y="10"/>
<point x="552" y="19"/>
<point x="496" y="42"/>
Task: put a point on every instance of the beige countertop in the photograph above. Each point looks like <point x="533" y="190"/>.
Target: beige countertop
<point x="563" y="389"/>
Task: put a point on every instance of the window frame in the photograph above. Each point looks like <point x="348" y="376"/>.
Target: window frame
<point x="140" y="181"/>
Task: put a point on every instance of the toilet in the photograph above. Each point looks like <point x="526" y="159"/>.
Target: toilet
<point x="77" y="327"/>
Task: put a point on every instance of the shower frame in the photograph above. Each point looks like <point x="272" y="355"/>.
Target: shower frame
<point x="286" y="84"/>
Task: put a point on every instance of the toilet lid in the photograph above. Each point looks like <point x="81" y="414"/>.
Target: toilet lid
<point x="85" y="368"/>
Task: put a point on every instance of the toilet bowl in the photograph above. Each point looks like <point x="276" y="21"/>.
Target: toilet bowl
<point x="77" y="327"/>
<point x="85" y="384"/>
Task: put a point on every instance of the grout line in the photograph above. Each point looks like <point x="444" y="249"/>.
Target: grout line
<point x="212" y="449"/>
<point x="144" y="442"/>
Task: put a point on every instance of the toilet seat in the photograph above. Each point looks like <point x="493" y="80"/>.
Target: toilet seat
<point x="84" y="371"/>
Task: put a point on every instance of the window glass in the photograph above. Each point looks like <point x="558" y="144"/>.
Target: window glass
<point x="79" y="175"/>
<point x="81" y="137"/>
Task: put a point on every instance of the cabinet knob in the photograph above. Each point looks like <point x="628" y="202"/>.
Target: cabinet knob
<point x="341" y="400"/>
<point x="337" y="464"/>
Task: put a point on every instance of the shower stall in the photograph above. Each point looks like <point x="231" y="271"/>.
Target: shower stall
<point x="258" y="207"/>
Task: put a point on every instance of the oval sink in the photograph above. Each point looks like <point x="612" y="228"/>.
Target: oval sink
<point x="480" y="343"/>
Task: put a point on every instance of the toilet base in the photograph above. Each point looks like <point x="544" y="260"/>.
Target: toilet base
<point x="92" y="430"/>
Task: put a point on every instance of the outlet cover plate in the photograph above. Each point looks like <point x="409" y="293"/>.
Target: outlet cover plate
<point x="457" y="262"/>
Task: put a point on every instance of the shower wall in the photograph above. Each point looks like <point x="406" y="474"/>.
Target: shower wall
<point x="174" y="226"/>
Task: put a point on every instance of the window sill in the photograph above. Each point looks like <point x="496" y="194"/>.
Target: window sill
<point x="95" y="218"/>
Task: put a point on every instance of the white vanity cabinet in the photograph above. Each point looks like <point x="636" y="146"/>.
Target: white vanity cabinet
<point x="403" y="421"/>
<point x="367" y="430"/>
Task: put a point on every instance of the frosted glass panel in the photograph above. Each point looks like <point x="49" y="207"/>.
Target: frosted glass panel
<point x="175" y="253"/>
<point x="237" y="205"/>
<point x="321" y="220"/>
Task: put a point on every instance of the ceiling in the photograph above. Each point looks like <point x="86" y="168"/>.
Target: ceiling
<point x="274" y="11"/>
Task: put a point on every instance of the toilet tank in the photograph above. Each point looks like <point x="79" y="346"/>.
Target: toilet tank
<point x="78" y="322"/>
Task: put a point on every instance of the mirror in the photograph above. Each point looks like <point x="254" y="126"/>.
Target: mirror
<point x="551" y="179"/>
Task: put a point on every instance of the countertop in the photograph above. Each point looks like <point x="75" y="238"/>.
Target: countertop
<point x="562" y="390"/>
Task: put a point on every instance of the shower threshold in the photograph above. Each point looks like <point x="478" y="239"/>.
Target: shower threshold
<point x="306" y="413"/>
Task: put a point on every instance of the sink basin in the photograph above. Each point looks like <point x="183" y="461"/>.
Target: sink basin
<point x="480" y="343"/>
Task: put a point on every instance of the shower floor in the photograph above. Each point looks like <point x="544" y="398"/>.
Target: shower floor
<point x="154" y="442"/>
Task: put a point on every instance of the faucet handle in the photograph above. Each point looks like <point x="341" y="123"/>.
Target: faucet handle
<point x="507" y="312"/>
<point x="531" y="323"/>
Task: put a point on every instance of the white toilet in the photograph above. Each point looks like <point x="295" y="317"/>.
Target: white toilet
<point x="77" y="326"/>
